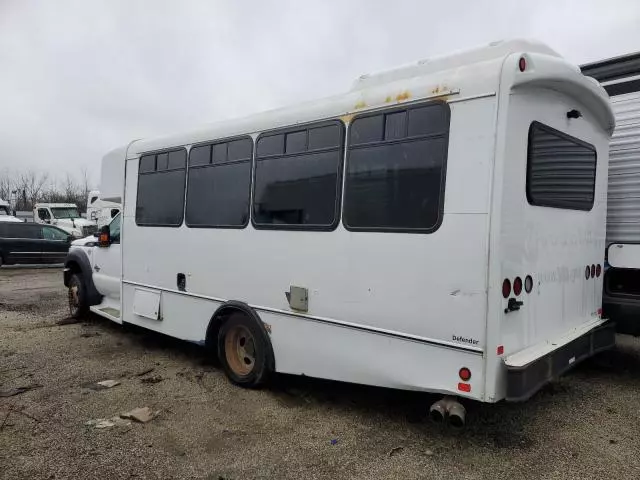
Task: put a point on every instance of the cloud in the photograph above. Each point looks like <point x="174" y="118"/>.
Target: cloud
<point x="82" y="77"/>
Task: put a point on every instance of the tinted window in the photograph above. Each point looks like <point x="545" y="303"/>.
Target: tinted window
<point x="162" y="161"/>
<point x="44" y="214"/>
<point x="22" y="230"/>
<point x="147" y="163"/>
<point x="270" y="145"/>
<point x="200" y="155"/>
<point x="296" y="142"/>
<point x="324" y="137"/>
<point x="177" y="159"/>
<point x="218" y="194"/>
<point x="52" y="233"/>
<point x="561" y="170"/>
<point x="366" y="129"/>
<point x="300" y="188"/>
<point x="220" y="153"/>
<point x="161" y="191"/>
<point x="114" y="229"/>
<point x="397" y="184"/>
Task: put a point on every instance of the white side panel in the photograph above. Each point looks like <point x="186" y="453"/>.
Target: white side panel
<point x="306" y="347"/>
<point x="624" y="255"/>
<point x="146" y="303"/>
<point x="623" y="215"/>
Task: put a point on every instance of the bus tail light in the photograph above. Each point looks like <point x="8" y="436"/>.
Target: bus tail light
<point x="506" y="288"/>
<point x="522" y="64"/>
<point x="517" y="286"/>
<point x="465" y="374"/>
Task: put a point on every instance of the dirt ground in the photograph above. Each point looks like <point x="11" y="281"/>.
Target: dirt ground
<point x="586" y="425"/>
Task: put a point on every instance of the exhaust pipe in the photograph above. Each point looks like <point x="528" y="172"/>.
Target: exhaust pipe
<point x="438" y="411"/>
<point x="450" y="410"/>
<point x="457" y="415"/>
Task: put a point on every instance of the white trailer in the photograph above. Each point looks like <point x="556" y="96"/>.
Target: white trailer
<point x="440" y="227"/>
<point x="620" y="77"/>
<point x="99" y="210"/>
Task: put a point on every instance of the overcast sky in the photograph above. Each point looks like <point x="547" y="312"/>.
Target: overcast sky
<point x="78" y="78"/>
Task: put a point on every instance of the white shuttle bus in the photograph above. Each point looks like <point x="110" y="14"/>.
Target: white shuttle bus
<point x="440" y="227"/>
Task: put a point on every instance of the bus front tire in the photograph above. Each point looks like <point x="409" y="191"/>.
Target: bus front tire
<point x="77" y="296"/>
<point x="243" y="351"/>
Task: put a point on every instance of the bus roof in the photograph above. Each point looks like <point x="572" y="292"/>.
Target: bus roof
<point x="456" y="76"/>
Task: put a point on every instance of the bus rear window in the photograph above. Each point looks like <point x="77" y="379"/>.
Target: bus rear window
<point x="561" y="170"/>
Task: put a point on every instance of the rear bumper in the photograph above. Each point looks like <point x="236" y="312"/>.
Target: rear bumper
<point x="524" y="381"/>
<point x="624" y="311"/>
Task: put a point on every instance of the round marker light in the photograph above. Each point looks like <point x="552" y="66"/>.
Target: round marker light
<point x="587" y="273"/>
<point x="593" y="271"/>
<point x="465" y="374"/>
<point x="522" y="64"/>
<point x="528" y="284"/>
<point x="517" y="286"/>
<point x="506" y="288"/>
<point x="598" y="270"/>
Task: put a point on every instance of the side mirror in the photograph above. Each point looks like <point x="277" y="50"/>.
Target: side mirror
<point x="104" y="239"/>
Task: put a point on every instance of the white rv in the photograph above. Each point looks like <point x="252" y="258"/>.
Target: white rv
<point x="64" y="216"/>
<point x="99" y="210"/>
<point x="440" y="227"/>
<point x="620" y="77"/>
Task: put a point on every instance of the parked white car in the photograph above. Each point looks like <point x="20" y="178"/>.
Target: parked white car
<point x="64" y="216"/>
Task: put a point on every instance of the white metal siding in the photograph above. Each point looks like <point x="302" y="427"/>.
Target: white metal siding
<point x="623" y="215"/>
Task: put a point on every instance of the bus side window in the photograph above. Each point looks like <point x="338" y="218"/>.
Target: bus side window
<point x="396" y="169"/>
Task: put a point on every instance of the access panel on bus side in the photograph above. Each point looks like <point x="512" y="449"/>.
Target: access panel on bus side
<point x="552" y="221"/>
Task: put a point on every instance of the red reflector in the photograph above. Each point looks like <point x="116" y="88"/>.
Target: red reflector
<point x="465" y="374"/>
<point x="506" y="288"/>
<point x="517" y="286"/>
<point x="593" y="271"/>
<point x="500" y="349"/>
<point x="522" y="64"/>
<point x="464" y="387"/>
<point x="587" y="273"/>
<point x="600" y="312"/>
<point x="598" y="270"/>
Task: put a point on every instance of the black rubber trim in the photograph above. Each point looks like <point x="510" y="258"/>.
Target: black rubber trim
<point x="624" y="311"/>
<point x="523" y="382"/>
<point x="234" y="305"/>
<point x="78" y="257"/>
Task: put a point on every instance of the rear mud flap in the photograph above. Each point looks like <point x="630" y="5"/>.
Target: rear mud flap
<point x="523" y="382"/>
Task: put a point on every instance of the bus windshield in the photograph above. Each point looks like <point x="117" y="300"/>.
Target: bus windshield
<point x="65" y="212"/>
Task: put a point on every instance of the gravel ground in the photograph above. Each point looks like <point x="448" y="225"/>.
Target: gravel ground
<point x="585" y="425"/>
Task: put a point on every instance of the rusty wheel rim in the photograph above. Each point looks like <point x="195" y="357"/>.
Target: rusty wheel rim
<point x="74" y="298"/>
<point x="240" y="350"/>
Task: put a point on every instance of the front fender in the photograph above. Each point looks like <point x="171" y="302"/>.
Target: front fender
<point x="78" y="260"/>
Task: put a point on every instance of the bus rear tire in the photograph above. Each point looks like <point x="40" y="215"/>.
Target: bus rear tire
<point x="243" y="351"/>
<point x="78" y="305"/>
